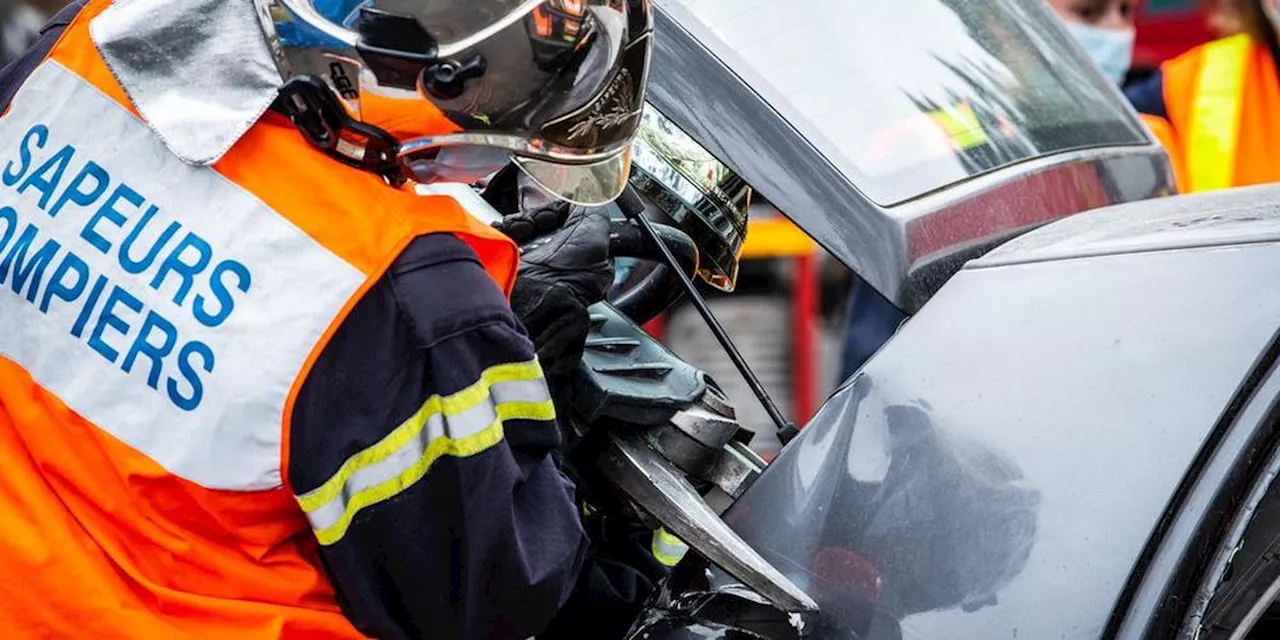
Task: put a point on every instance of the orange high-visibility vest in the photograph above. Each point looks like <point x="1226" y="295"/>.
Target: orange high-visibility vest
<point x="156" y="323"/>
<point x="1168" y="139"/>
<point x="1223" y="101"/>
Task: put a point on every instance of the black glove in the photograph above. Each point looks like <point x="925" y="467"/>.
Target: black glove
<point x="618" y="578"/>
<point x="528" y="211"/>
<point x="560" y="276"/>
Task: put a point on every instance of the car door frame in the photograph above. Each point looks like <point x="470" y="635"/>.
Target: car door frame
<point x="1184" y="558"/>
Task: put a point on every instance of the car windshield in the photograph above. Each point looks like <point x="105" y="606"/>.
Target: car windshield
<point x="909" y="96"/>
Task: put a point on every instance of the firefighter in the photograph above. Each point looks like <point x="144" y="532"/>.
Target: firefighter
<point x="251" y="384"/>
<point x="1214" y="106"/>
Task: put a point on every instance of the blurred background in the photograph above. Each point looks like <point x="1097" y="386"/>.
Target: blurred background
<point x="1165" y="27"/>
<point x="20" y="21"/>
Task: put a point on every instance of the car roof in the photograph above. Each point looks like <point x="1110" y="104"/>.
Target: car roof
<point x="1236" y="216"/>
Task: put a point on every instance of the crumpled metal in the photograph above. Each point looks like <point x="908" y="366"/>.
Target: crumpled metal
<point x="199" y="71"/>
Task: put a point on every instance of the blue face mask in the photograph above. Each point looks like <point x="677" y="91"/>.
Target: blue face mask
<point x="1111" y="49"/>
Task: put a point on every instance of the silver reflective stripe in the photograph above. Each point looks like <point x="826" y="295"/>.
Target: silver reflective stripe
<point x="668" y="549"/>
<point x="519" y="391"/>
<point x="406" y="462"/>
<point x="469" y="422"/>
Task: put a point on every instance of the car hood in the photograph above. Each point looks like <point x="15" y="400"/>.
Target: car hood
<point x="902" y="165"/>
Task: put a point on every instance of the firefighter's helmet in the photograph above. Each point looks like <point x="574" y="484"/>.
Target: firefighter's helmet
<point x="556" y="85"/>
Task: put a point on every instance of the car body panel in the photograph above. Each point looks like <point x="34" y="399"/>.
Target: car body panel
<point x="1236" y="216"/>
<point x="908" y="247"/>
<point x="1187" y="558"/>
<point x="998" y="468"/>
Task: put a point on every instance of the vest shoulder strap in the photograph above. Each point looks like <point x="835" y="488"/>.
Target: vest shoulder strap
<point x="1214" y="117"/>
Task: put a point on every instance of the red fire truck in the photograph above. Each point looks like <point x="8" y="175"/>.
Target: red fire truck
<point x="1167" y="28"/>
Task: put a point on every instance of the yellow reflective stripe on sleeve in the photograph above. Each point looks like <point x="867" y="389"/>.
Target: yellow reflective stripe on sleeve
<point x="462" y="424"/>
<point x="544" y="410"/>
<point x="330" y="530"/>
<point x="1210" y="145"/>
<point x="667" y="549"/>
<point x="476" y="393"/>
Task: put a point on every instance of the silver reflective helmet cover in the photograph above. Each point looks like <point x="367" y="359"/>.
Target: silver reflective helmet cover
<point x="558" y="85"/>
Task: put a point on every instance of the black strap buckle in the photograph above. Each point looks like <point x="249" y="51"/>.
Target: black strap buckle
<point x="315" y="111"/>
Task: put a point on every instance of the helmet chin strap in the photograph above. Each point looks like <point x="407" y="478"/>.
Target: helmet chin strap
<point x="325" y="124"/>
<point x="322" y="120"/>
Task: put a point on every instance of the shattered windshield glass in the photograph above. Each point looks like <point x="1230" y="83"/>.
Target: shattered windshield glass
<point x="910" y="96"/>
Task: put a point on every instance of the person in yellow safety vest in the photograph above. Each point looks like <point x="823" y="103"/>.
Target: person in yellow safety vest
<point x="1105" y="30"/>
<point x="250" y="386"/>
<point x="1217" y="107"/>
